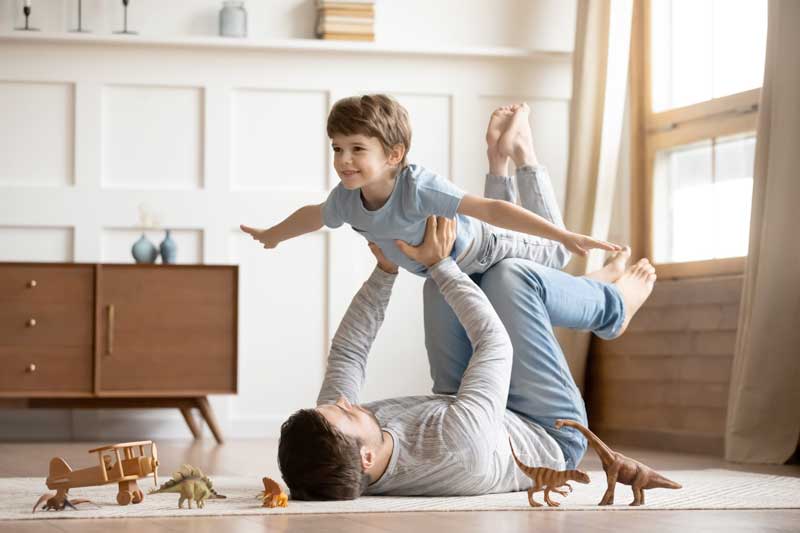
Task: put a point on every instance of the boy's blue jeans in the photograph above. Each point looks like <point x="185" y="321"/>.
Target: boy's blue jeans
<point x="530" y="299"/>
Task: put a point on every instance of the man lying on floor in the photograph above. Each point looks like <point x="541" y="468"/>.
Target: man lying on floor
<point x="456" y="442"/>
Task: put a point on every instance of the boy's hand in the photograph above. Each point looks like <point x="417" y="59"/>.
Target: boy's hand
<point x="383" y="263"/>
<point x="581" y="244"/>
<point x="265" y="236"/>
<point x="440" y="235"/>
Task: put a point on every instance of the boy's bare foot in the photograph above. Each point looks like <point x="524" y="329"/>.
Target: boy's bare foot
<point x="635" y="285"/>
<point x="516" y="141"/>
<point x="498" y="123"/>
<point x="614" y="269"/>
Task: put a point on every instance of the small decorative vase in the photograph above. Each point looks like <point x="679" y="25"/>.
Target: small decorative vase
<point x="233" y="19"/>
<point x="169" y="250"/>
<point x="144" y="251"/>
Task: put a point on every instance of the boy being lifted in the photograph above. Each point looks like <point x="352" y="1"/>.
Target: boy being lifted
<point x="388" y="201"/>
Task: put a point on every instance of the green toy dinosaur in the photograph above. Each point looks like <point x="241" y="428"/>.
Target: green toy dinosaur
<point x="191" y="484"/>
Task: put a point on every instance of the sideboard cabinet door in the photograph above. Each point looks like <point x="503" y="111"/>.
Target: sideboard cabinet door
<point x="166" y="330"/>
<point x="46" y="329"/>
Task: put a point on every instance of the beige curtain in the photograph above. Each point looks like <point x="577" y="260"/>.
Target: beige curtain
<point x="764" y="403"/>
<point x="599" y="83"/>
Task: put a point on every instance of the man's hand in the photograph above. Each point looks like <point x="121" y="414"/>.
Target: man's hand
<point x="581" y="244"/>
<point x="266" y="237"/>
<point x="383" y="263"/>
<point x="440" y="234"/>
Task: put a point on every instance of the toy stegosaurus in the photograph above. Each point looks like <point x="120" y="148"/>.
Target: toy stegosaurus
<point x="191" y="484"/>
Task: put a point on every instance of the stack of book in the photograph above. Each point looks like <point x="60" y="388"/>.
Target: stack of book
<point x="346" y="20"/>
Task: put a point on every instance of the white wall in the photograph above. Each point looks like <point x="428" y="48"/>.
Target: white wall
<point x="540" y="24"/>
<point x="211" y="137"/>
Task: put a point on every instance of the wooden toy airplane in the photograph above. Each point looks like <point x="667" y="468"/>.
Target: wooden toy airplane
<point x="119" y="463"/>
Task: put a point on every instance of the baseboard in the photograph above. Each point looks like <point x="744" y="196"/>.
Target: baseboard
<point x="698" y="443"/>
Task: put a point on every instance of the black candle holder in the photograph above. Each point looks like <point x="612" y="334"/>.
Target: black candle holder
<point x="125" y="30"/>
<point x="80" y="28"/>
<point x="27" y="11"/>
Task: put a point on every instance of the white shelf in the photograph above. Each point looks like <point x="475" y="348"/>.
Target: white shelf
<point x="288" y="45"/>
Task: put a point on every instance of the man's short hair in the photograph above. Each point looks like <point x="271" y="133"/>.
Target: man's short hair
<point x="319" y="462"/>
<point x="373" y="115"/>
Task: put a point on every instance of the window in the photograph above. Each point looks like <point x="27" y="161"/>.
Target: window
<point x="696" y="75"/>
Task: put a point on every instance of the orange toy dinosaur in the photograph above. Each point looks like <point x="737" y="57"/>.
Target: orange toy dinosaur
<point x="622" y="469"/>
<point x="548" y="480"/>
<point x="273" y="496"/>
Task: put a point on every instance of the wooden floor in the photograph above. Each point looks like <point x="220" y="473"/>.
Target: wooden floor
<point x="258" y="457"/>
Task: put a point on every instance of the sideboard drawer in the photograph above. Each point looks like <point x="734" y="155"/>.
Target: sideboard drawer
<point x="57" y="369"/>
<point x="25" y="323"/>
<point x="47" y="283"/>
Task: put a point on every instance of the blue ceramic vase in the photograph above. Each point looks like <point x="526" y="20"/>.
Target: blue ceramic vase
<point x="144" y="251"/>
<point x="169" y="250"/>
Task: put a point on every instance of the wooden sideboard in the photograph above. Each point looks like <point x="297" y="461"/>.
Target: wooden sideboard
<point x="119" y="336"/>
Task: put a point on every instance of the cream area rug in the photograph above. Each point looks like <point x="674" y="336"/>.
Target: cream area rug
<point x="702" y="489"/>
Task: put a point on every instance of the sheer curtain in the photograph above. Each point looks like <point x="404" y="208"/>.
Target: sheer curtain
<point x="763" y="422"/>
<point x="599" y="84"/>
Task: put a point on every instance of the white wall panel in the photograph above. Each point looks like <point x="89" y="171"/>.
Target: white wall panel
<point x="282" y="326"/>
<point x="278" y="139"/>
<point x="33" y="243"/>
<point x="152" y="137"/>
<point x="116" y="244"/>
<point x="37" y="128"/>
<point x="430" y="126"/>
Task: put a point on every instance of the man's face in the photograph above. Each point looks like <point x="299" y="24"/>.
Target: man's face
<point x="353" y="421"/>
<point x="360" y="160"/>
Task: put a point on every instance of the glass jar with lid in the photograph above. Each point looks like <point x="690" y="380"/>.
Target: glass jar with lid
<point x="233" y="19"/>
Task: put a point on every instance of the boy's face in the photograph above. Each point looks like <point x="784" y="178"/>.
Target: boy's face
<point x="359" y="160"/>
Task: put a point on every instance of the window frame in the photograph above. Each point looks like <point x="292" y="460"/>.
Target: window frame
<point x="652" y="131"/>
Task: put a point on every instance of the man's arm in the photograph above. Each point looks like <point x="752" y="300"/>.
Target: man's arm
<point x="347" y="360"/>
<point x="473" y="420"/>
<point x="305" y="220"/>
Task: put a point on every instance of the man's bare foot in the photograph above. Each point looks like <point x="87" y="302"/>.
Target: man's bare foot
<point x="635" y="285"/>
<point x="614" y="269"/>
<point x="498" y="123"/>
<point x="516" y="141"/>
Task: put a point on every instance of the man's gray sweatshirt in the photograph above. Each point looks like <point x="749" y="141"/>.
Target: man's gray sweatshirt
<point x="443" y="444"/>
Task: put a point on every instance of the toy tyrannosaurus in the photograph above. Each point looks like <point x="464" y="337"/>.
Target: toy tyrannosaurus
<point x="548" y="480"/>
<point x="622" y="469"/>
<point x="191" y="484"/>
<point x="273" y="496"/>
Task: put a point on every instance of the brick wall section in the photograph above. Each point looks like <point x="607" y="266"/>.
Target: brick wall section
<point x="664" y="383"/>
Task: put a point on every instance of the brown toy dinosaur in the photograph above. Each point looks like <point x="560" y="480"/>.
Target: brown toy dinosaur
<point x="548" y="480"/>
<point x="622" y="469"/>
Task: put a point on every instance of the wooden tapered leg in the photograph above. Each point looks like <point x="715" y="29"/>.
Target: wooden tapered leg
<point x="190" y="421"/>
<point x="211" y="420"/>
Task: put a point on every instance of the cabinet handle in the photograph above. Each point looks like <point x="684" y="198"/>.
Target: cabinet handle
<point x="31" y="322"/>
<point x="110" y="333"/>
<point x="32" y="284"/>
<point x="31" y="368"/>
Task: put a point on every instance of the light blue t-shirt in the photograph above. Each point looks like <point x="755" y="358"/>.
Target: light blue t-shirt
<point x="418" y="193"/>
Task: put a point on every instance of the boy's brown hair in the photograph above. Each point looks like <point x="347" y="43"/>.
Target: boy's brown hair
<point x="373" y="115"/>
<point x="317" y="461"/>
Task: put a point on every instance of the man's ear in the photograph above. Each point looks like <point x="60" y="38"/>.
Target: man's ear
<point x="396" y="154"/>
<point x="367" y="458"/>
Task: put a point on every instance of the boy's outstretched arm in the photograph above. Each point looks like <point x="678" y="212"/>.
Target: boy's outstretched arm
<point x="513" y="217"/>
<point x="305" y="220"/>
